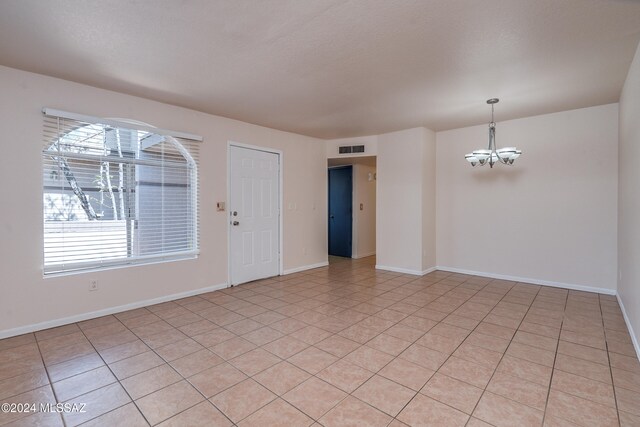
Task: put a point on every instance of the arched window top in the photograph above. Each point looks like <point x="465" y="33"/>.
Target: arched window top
<point x="87" y="139"/>
<point x="100" y="140"/>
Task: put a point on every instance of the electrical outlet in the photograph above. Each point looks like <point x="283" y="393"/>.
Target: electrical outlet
<point x="93" y="285"/>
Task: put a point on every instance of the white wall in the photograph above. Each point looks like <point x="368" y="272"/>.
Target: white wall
<point x="364" y="221"/>
<point x="629" y="199"/>
<point x="28" y="299"/>
<point x="551" y="217"/>
<point x="403" y="162"/>
<point x="429" y="167"/>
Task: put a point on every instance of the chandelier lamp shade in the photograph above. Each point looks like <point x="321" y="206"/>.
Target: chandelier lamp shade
<point x="492" y="154"/>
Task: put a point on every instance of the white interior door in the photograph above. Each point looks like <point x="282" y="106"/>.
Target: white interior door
<point x="254" y="204"/>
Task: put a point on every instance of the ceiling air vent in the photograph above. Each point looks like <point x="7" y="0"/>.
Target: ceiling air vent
<point x="347" y="149"/>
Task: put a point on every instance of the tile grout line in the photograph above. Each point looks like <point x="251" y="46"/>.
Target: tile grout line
<point x="361" y="345"/>
<point x="354" y="281"/>
<point x="606" y="343"/>
<point x="107" y="365"/>
<point x="207" y="348"/>
<point x="484" y="390"/>
<point x="405" y="316"/>
<point x="119" y="381"/>
<point x="394" y="358"/>
<point x="350" y="394"/>
<point x="471" y="331"/>
<point x="44" y="366"/>
<point x="388" y="307"/>
<point x="114" y="375"/>
<point x="555" y="356"/>
<point x="183" y="378"/>
<point x="80" y="330"/>
<point x="445" y="361"/>
<point x="286" y="360"/>
<point x="589" y="399"/>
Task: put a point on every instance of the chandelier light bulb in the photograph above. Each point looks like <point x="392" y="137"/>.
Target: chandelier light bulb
<point x="482" y="154"/>
<point x="493" y="155"/>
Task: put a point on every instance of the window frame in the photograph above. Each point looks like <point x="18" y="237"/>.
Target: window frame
<point x="190" y="154"/>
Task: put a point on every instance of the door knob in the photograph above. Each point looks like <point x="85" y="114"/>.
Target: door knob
<point x="236" y="223"/>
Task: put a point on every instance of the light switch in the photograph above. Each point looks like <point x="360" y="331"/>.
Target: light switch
<point x="220" y="206"/>
<point x="361" y="206"/>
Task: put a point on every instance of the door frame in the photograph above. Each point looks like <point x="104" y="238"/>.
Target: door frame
<point x="280" y="155"/>
<point x="353" y="198"/>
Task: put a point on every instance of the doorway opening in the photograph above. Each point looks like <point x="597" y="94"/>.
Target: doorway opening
<point x="352" y="207"/>
<point x="341" y="211"/>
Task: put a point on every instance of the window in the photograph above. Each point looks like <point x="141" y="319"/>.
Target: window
<point x="116" y="193"/>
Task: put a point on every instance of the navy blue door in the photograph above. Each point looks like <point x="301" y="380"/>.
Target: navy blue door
<point x="340" y="203"/>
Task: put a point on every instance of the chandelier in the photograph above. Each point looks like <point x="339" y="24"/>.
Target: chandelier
<point x="493" y="155"/>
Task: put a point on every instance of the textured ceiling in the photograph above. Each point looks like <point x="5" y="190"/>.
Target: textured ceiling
<point x="334" y="68"/>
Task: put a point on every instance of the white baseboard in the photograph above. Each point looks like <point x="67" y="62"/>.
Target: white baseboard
<point x="530" y="280"/>
<point x="104" y="312"/>
<point x="634" y="338"/>
<point x="429" y="270"/>
<point x="364" y="255"/>
<point x="405" y="270"/>
<point x="306" y="267"/>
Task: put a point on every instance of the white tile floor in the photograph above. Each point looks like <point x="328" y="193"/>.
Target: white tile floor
<point x="341" y="345"/>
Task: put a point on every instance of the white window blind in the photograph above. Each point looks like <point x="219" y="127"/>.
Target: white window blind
<point x="116" y="193"/>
